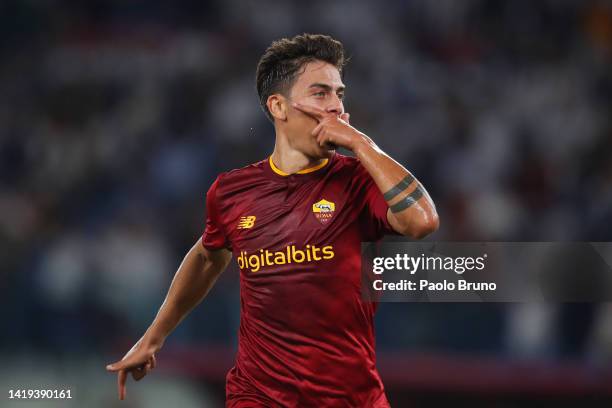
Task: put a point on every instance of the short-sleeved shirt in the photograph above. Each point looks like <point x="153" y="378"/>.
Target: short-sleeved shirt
<point x="306" y="335"/>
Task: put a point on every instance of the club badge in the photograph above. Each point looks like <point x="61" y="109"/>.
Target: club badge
<point x="323" y="210"/>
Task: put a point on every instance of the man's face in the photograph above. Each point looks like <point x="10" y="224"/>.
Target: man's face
<point x="318" y="85"/>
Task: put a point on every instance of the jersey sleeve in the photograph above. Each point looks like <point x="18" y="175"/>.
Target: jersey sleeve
<point x="374" y="215"/>
<point x="214" y="236"/>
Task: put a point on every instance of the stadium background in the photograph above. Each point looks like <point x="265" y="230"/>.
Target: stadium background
<point x="117" y="115"/>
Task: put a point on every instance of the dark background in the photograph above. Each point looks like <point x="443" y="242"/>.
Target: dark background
<point x="115" y="117"/>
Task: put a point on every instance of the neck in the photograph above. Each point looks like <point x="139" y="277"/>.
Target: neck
<point x="289" y="160"/>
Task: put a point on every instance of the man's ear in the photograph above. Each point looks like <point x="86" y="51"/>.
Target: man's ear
<point x="277" y="105"/>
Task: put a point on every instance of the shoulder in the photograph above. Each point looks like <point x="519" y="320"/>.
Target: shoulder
<point x="345" y="161"/>
<point x="350" y="166"/>
<point x="250" y="173"/>
<point x="238" y="181"/>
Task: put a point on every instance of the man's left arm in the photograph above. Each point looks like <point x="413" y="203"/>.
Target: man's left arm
<point x="411" y="210"/>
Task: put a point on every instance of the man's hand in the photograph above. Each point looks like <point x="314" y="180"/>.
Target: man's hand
<point x="197" y="274"/>
<point x="332" y="129"/>
<point x="139" y="361"/>
<point x="411" y="210"/>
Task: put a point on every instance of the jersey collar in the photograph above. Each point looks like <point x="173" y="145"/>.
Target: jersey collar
<point x="308" y="171"/>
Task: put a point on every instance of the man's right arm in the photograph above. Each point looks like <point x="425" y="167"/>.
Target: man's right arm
<point x="194" y="278"/>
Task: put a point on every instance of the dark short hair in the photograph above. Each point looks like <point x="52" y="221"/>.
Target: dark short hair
<point x="279" y="65"/>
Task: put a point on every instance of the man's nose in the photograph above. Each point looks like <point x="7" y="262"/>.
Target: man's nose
<point x="336" y="107"/>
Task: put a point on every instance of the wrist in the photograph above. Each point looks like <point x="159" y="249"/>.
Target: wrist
<point x="152" y="342"/>
<point x="360" y="143"/>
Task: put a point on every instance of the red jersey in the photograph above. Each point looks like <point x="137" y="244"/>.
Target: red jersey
<point x="306" y="336"/>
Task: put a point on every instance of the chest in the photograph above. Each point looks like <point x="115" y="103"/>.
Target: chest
<point x="291" y="213"/>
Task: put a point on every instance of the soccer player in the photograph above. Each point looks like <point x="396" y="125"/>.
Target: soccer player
<point x="295" y="222"/>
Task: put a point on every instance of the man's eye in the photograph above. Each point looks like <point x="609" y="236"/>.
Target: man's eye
<point x="341" y="97"/>
<point x="319" y="94"/>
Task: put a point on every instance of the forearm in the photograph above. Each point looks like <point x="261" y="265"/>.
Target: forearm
<point x="411" y="209"/>
<point x="193" y="280"/>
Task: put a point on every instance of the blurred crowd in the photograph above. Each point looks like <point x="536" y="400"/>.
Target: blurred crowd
<point x="117" y="115"/>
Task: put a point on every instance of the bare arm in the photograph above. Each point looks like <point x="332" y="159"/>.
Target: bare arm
<point x="411" y="209"/>
<point x="194" y="278"/>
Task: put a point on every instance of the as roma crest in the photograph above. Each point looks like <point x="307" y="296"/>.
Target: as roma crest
<point x="323" y="210"/>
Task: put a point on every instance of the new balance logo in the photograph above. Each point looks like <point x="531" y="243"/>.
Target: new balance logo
<point x="246" y="222"/>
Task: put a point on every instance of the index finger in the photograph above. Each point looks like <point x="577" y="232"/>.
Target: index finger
<point x="126" y="363"/>
<point x="313" y="111"/>
<point x="119" y="365"/>
<point x="121" y="378"/>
